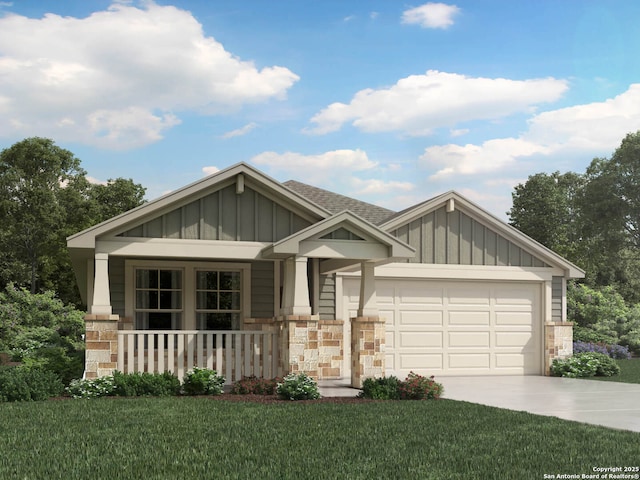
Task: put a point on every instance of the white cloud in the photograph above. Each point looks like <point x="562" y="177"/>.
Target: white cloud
<point x="95" y="181"/>
<point x="458" y="132"/>
<point x="376" y="186"/>
<point x="594" y="129"/>
<point x="240" y="131"/>
<point x="97" y="79"/>
<point x="315" y="168"/>
<point x="431" y="15"/>
<point x="418" y="104"/>
<point x="210" y="170"/>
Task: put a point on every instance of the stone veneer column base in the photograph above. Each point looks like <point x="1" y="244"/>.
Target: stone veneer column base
<point x="367" y="349"/>
<point x="101" y="341"/>
<point x="299" y="344"/>
<point x="330" y="349"/>
<point x="558" y="342"/>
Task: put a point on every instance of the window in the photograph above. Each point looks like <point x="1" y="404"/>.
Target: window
<point x="158" y="299"/>
<point x="218" y="300"/>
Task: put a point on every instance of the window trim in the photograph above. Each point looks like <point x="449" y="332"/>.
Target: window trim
<point x="189" y="285"/>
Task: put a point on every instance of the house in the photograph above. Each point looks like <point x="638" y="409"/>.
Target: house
<point x="250" y="276"/>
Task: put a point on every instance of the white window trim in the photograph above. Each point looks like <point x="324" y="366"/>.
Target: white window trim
<point x="188" y="288"/>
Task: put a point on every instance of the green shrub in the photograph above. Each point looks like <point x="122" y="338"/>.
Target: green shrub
<point x="27" y="384"/>
<point x="586" y="364"/>
<point x="145" y="384"/>
<point x="203" y="381"/>
<point x="67" y="365"/>
<point x="298" y="386"/>
<point x="417" y="387"/>
<point x="385" y="388"/>
<point x="588" y="335"/>
<point x="94" y="388"/>
<point x="256" y="386"/>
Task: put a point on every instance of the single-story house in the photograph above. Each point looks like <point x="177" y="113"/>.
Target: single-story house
<point x="250" y="276"/>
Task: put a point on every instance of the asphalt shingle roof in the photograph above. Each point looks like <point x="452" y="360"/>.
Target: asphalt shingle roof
<point x="335" y="203"/>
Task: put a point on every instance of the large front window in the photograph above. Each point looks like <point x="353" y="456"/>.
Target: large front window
<point x="218" y="300"/>
<point x="158" y="299"/>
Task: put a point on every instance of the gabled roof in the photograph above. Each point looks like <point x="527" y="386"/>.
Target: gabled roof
<point x="335" y="203"/>
<point x="86" y="238"/>
<point x="454" y="200"/>
<point x="346" y="219"/>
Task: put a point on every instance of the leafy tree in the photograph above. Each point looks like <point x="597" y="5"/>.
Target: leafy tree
<point x="544" y="208"/>
<point x="44" y="198"/>
<point x="33" y="173"/>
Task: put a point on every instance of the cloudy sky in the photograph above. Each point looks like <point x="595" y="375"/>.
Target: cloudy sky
<point x="387" y="101"/>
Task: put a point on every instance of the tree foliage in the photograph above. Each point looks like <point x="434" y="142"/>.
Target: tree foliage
<point x="45" y="197"/>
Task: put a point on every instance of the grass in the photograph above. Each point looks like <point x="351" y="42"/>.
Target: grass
<point x="183" y="438"/>
<point x="629" y="372"/>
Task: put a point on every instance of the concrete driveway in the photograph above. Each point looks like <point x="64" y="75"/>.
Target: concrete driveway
<point x="614" y="405"/>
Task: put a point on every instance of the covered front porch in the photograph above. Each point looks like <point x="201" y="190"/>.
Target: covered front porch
<point x="157" y="327"/>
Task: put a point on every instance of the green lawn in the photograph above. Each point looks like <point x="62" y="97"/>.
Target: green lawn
<point x="629" y="372"/>
<point x="185" y="438"/>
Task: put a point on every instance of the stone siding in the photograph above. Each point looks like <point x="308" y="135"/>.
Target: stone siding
<point x="558" y="342"/>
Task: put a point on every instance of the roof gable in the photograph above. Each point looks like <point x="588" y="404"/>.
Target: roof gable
<point x="240" y="176"/>
<point x="451" y="229"/>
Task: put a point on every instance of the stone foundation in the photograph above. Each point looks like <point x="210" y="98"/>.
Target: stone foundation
<point x="367" y="349"/>
<point x="558" y="342"/>
<point x="101" y="339"/>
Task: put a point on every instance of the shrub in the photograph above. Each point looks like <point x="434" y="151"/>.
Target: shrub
<point x="26" y="384"/>
<point x="619" y="352"/>
<point x="417" y="387"/>
<point x="67" y="365"/>
<point x="203" y="381"/>
<point x="298" y="386"/>
<point x="385" y="388"/>
<point x="145" y="384"/>
<point x="588" y="335"/>
<point x="586" y="364"/>
<point x="94" y="388"/>
<point x="256" y="386"/>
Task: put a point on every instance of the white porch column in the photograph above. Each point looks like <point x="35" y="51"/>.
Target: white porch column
<point x="101" y="303"/>
<point x="296" y="287"/>
<point x="368" y="306"/>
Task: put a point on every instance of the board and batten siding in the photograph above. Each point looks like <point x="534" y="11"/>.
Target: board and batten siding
<point x="262" y="288"/>
<point x="116" y="284"/>
<point x="557" y="294"/>
<point x="454" y="238"/>
<point x="327" y="299"/>
<point x="224" y="215"/>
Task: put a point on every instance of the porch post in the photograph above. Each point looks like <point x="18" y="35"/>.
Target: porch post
<point x="101" y="302"/>
<point x="296" y="287"/>
<point x="367" y="332"/>
<point x="368" y="303"/>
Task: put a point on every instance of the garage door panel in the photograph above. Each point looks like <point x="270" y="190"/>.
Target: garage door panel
<point x="385" y="295"/>
<point x="469" y="318"/>
<point x="469" y="360"/>
<point x="420" y="361"/>
<point x="468" y="339"/>
<point x="513" y="318"/>
<point x="509" y="360"/>
<point x="420" y="339"/>
<point x="515" y="295"/>
<point x="411" y="317"/>
<point x="420" y="295"/>
<point x="389" y="341"/>
<point x="475" y="294"/>
<point x="513" y="339"/>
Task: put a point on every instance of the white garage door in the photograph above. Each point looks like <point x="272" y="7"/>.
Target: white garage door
<point x="457" y="328"/>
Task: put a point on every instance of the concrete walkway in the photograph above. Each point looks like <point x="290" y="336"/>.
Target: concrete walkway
<point x="610" y="404"/>
<point x="337" y="388"/>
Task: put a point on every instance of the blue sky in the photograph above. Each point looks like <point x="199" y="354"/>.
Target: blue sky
<point x="386" y="101"/>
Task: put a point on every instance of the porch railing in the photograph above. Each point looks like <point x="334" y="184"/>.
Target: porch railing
<point x="233" y="354"/>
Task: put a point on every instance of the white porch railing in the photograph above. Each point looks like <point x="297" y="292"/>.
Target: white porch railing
<point x="233" y="354"/>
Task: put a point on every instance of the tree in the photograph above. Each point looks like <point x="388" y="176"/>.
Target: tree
<point x="33" y="173"/>
<point x="44" y="198"/>
<point x="544" y="208"/>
